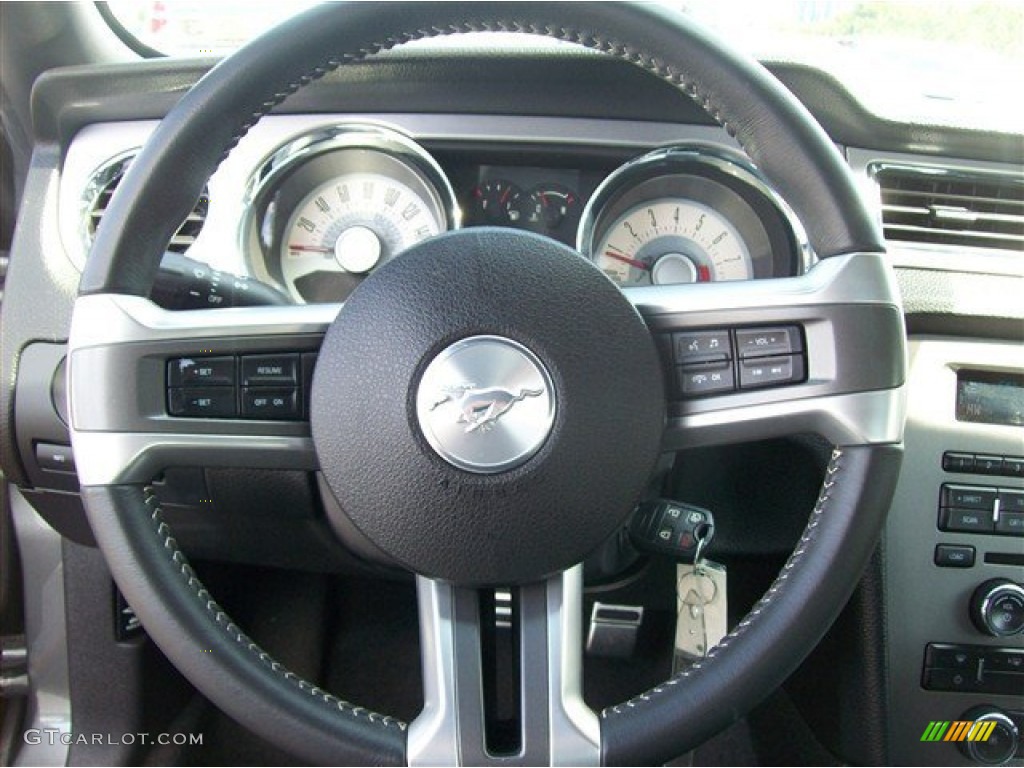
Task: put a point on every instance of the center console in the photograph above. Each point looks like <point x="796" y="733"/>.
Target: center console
<point x="954" y="558"/>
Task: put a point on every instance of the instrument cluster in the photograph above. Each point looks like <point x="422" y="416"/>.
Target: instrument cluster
<point x="330" y="207"/>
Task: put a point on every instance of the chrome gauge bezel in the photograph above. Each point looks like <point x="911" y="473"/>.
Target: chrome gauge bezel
<point x="713" y="176"/>
<point x="350" y="147"/>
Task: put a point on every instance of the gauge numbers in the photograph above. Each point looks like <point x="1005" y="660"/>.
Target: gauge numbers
<point x="352" y="223"/>
<point x="672" y="240"/>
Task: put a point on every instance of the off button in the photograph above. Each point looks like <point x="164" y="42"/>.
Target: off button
<point x="266" y="403"/>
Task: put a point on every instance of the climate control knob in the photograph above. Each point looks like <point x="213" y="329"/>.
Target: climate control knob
<point x="1000" y="742"/>
<point x="997" y="607"/>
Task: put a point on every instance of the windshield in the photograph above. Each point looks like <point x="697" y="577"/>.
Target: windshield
<point x="932" y="62"/>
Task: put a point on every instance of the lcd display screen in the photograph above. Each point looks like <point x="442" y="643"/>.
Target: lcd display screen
<point x="988" y="397"/>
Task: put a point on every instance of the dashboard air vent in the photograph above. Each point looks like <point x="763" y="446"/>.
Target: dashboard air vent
<point x="101" y="188"/>
<point x="924" y="205"/>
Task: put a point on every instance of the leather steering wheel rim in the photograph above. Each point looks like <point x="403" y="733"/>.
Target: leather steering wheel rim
<point x="774" y="130"/>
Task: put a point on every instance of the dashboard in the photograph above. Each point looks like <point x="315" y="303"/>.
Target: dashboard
<point x="312" y="207"/>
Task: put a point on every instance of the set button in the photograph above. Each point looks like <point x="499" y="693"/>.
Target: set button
<point x="201" y="372"/>
<point x="202" y="402"/>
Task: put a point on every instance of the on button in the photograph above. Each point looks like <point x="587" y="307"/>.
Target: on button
<point x="270" y="403"/>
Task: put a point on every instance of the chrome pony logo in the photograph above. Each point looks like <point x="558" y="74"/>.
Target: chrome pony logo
<point x="479" y="409"/>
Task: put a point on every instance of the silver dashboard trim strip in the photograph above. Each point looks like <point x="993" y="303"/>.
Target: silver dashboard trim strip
<point x="218" y="242"/>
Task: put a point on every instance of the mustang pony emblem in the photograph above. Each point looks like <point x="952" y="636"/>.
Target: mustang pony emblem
<point x="480" y="408"/>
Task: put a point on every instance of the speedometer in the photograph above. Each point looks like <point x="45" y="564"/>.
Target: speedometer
<point x="351" y="224"/>
<point x="672" y="240"/>
<point x="329" y="208"/>
<point x="690" y="215"/>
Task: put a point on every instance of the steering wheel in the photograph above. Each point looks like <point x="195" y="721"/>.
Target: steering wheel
<point x="520" y="503"/>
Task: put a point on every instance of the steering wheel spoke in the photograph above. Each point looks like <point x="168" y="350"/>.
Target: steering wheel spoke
<point x="126" y="346"/>
<point x="541" y="628"/>
<point x="767" y="358"/>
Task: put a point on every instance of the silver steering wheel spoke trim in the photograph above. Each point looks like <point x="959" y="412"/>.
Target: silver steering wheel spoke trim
<point x="120" y="344"/>
<point x="557" y="726"/>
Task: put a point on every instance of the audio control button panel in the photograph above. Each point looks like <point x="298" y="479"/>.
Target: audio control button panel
<point x="981" y="509"/>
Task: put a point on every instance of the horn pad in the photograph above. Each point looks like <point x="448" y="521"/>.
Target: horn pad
<point x="487" y="407"/>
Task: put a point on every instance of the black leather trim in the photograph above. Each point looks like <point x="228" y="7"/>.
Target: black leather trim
<point x="781" y="629"/>
<point x="772" y="126"/>
<point x="202" y="641"/>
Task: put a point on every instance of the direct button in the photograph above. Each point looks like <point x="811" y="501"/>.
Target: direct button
<point x="270" y="370"/>
<point x="968" y="497"/>
<point x="268" y="403"/>
<point x="954" y="556"/>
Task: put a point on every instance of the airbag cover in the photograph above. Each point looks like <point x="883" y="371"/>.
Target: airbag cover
<point x="500" y="525"/>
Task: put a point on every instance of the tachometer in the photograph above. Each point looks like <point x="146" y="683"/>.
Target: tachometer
<point x="329" y="209"/>
<point x="690" y="215"/>
<point x="672" y="240"/>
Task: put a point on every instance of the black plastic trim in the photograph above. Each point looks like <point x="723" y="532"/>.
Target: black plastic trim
<point x="575" y="83"/>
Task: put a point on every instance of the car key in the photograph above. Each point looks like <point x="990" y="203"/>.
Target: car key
<point x="667" y="527"/>
<point x="702" y="608"/>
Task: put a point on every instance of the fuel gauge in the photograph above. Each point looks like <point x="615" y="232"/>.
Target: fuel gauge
<point x="492" y="202"/>
<point x="546" y="207"/>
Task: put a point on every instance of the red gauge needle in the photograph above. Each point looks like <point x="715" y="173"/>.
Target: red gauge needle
<point x="635" y="263"/>
<point x="311" y="248"/>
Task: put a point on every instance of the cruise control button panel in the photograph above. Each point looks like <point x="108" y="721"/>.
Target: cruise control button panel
<point x="272" y="386"/>
<point x="722" y="360"/>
